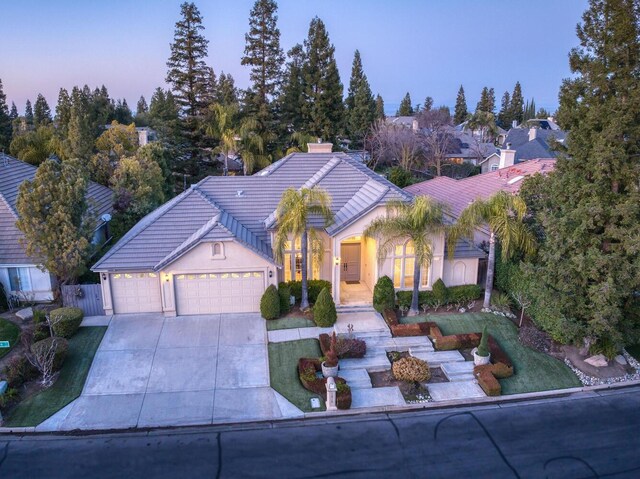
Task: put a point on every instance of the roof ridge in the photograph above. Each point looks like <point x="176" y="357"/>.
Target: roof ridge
<point x="262" y="246"/>
<point x="9" y="207"/>
<point x="317" y="177"/>
<point x="133" y="232"/>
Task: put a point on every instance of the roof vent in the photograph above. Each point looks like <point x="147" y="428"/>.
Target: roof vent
<point x="240" y="193"/>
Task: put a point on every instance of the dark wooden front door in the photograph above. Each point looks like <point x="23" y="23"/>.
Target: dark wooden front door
<point x="350" y="265"/>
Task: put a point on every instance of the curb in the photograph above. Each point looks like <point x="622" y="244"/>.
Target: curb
<point x="353" y="414"/>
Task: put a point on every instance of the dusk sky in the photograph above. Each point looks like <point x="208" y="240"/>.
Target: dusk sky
<point x="426" y="47"/>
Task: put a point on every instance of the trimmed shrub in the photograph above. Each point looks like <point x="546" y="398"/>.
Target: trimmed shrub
<point x="384" y="294"/>
<point x="411" y="370"/>
<point x="39" y="316"/>
<point x="440" y="292"/>
<point x="41" y="331"/>
<point x="464" y="293"/>
<point x="65" y="321"/>
<point x="486" y="380"/>
<point x="285" y="298"/>
<point x="483" y="347"/>
<point x="270" y="303"/>
<point x="324" y="311"/>
<point x="501" y="301"/>
<point x="315" y="287"/>
<point x="61" y="348"/>
<point x="18" y="371"/>
<point x="345" y="347"/>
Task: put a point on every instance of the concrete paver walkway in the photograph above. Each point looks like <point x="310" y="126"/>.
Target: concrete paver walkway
<point x="155" y="371"/>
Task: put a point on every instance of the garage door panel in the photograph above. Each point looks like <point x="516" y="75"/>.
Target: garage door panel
<point x="213" y="293"/>
<point x="136" y="293"/>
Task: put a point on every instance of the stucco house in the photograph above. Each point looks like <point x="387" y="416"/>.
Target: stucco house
<point x="19" y="273"/>
<point x="208" y="250"/>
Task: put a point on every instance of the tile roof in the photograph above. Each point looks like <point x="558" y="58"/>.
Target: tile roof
<point x="12" y="173"/>
<point x="242" y="208"/>
<point x="460" y="193"/>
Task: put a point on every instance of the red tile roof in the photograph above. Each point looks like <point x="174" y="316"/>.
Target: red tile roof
<point x="458" y="194"/>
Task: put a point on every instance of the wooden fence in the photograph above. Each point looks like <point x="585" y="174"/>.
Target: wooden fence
<point x="87" y="297"/>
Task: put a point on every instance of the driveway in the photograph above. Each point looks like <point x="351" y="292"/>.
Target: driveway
<point x="155" y="371"/>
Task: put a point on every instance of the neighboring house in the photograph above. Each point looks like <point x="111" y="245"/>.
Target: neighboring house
<point x="208" y="250"/>
<point x="458" y="194"/>
<point x="146" y="135"/>
<point x="469" y="148"/>
<point x="406" y="121"/>
<point x="19" y="273"/>
<point x="533" y="139"/>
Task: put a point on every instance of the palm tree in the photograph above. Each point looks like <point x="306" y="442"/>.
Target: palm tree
<point x="418" y="221"/>
<point x="292" y="216"/>
<point x="503" y="213"/>
<point x="238" y="136"/>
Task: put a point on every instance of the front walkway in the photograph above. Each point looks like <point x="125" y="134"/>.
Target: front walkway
<point x="154" y="371"/>
<point x="355" y="294"/>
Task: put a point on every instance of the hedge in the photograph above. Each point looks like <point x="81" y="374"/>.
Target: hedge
<point x="65" y="321"/>
<point x="314" y="286"/>
<point x="270" y="303"/>
<point x="455" y="294"/>
<point x="285" y="298"/>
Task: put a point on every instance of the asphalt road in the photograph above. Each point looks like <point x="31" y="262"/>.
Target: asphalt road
<point x="584" y="436"/>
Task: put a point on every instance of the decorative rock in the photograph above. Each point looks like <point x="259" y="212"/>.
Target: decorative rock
<point x="24" y="314"/>
<point x="598" y="361"/>
<point x="620" y="359"/>
<point x="462" y="310"/>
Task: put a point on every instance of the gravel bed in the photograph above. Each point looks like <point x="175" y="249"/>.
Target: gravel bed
<point x="591" y="381"/>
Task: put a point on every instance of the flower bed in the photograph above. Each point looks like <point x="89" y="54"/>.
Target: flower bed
<point x="345" y="347"/>
<point x="307" y="371"/>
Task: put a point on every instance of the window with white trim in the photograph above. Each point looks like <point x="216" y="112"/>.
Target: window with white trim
<point x="19" y="279"/>
<point x="494" y="167"/>
<point x="217" y="250"/>
<point x="292" y="260"/>
<point x="404" y="263"/>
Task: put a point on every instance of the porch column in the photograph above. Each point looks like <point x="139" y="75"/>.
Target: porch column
<point x="335" y="270"/>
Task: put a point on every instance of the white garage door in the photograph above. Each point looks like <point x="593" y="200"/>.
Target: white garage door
<point x="136" y="293"/>
<point x="206" y="293"/>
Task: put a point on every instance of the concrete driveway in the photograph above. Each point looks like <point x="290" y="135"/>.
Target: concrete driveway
<point x="155" y="371"/>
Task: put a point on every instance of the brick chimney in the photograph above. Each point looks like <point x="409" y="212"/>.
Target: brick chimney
<point x="533" y="134"/>
<point x="507" y="157"/>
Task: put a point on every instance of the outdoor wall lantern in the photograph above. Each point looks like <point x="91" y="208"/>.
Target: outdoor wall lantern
<point x="270" y="274"/>
<point x="166" y="277"/>
<point x="104" y="276"/>
<point x="336" y="260"/>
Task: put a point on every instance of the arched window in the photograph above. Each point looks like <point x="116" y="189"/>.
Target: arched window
<point x="293" y="262"/>
<point x="217" y="250"/>
<point x="404" y="263"/>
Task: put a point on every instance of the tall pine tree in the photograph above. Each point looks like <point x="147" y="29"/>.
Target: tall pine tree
<point x="405" y="108"/>
<point x="41" y="112"/>
<point x="292" y="98"/>
<point x="587" y="276"/>
<point x="13" y="113"/>
<point x="323" y="108"/>
<point x="5" y="121"/>
<point x="504" y="115"/>
<point x="380" y="115"/>
<point x="516" y="106"/>
<point x="28" y="115"/>
<point x="428" y="104"/>
<point x="460" y="112"/>
<point x="263" y="54"/>
<point x="361" y="107"/>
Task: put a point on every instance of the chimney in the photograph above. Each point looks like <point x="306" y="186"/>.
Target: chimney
<point x="414" y="125"/>
<point x="507" y="157"/>
<point x="514" y="124"/>
<point x="533" y="134"/>
<point x="319" y="147"/>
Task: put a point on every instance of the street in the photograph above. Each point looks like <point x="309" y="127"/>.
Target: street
<point x="581" y="436"/>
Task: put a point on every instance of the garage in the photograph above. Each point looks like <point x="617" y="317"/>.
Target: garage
<point x="207" y="293"/>
<point x="136" y="293"/>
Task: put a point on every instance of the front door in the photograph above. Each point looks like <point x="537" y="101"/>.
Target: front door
<point x="350" y="267"/>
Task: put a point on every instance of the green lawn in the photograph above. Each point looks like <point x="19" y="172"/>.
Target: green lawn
<point x="82" y="349"/>
<point x="8" y="332"/>
<point x="534" y="371"/>
<point x="289" y="323"/>
<point x="283" y="367"/>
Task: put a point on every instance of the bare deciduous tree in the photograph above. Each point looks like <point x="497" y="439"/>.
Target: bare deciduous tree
<point x="394" y="145"/>
<point x="436" y="129"/>
<point x="523" y="302"/>
<point x="42" y="358"/>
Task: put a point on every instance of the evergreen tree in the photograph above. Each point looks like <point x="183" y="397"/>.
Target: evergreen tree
<point x="13" y="114"/>
<point x="188" y="71"/>
<point x="484" y="98"/>
<point x="101" y="109"/>
<point x="5" y="121"/>
<point x="80" y="138"/>
<point x="63" y="113"/>
<point x="529" y="110"/>
<point x="504" y="115"/>
<point x="428" y="104"/>
<point x="227" y="93"/>
<point x="123" y="113"/>
<point x="587" y="273"/>
<point x="491" y="101"/>
<point x="361" y="107"/>
<point x="28" y="115"/>
<point x="323" y="108"/>
<point x="41" y="112"/>
<point x="164" y="116"/>
<point x="516" y="106"/>
<point x="263" y="54"/>
<point x="405" y="108"/>
<point x="292" y="98"/>
<point x="380" y="115"/>
<point x="460" y="112"/>
<point x="141" y="106"/>
<point x="542" y="113"/>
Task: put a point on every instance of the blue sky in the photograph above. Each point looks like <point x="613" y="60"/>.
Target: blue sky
<point x="426" y="47"/>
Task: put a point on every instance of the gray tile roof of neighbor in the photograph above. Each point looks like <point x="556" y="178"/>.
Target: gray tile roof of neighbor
<point x="12" y="173"/>
<point x="242" y="208"/>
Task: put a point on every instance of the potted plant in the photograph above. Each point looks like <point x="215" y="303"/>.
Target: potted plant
<point x="330" y="363"/>
<point x="481" y="354"/>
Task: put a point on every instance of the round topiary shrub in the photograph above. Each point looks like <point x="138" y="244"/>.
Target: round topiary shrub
<point x="440" y="293"/>
<point x="384" y="294"/>
<point x="411" y="370"/>
<point x="270" y="303"/>
<point x="285" y="298"/>
<point x="324" y="311"/>
<point x="65" y="321"/>
<point x="61" y="346"/>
